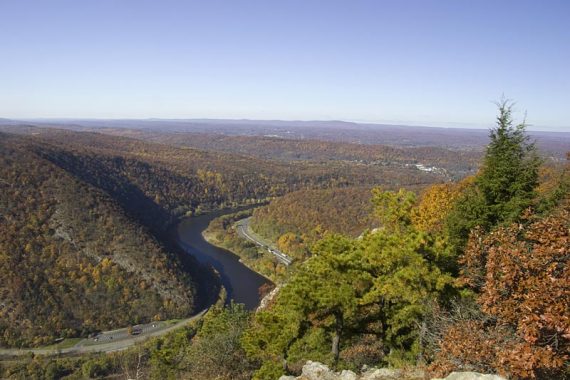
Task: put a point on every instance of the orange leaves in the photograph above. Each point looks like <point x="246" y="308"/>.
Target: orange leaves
<point x="523" y="277"/>
<point x="465" y="346"/>
<point x="528" y="278"/>
<point x="527" y="361"/>
<point x="472" y="345"/>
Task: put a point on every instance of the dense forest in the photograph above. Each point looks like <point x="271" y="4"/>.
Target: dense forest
<point x="293" y="223"/>
<point x="233" y="178"/>
<point x="298" y="219"/>
<point x="81" y="210"/>
<point x="468" y="275"/>
<point x="345" y="211"/>
<point x="72" y="261"/>
<point x="451" y="163"/>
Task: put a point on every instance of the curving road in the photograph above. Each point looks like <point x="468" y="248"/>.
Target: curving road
<point x="243" y="230"/>
<point x="108" y="341"/>
<point x="240" y="282"/>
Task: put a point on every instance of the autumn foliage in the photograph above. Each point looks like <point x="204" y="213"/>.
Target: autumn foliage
<point x="435" y="204"/>
<point x="524" y="285"/>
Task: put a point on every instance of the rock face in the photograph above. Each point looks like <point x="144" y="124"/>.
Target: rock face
<point x="318" y="371"/>
<point x="268" y="298"/>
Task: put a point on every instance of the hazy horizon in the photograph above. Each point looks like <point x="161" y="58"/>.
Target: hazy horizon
<point x="394" y="123"/>
<point x="409" y="62"/>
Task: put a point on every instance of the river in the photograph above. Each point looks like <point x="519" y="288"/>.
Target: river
<point x="241" y="283"/>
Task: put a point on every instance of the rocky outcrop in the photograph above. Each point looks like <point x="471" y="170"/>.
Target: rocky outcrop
<point x="318" y="371"/>
<point x="265" y="301"/>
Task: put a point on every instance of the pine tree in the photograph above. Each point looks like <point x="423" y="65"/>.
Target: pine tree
<point x="506" y="183"/>
<point x="375" y="285"/>
<point x="510" y="170"/>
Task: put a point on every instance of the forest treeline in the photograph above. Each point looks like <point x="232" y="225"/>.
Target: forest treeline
<point x="469" y="275"/>
<point x="298" y="219"/>
<point x="220" y="179"/>
<point x="293" y="223"/>
<point x="83" y="212"/>
<point x="346" y="210"/>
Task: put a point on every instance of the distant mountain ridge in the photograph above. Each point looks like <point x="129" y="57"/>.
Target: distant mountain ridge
<point x="554" y="143"/>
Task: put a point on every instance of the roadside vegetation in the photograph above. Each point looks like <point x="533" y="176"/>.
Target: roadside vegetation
<point x="222" y="232"/>
<point x="469" y="275"/>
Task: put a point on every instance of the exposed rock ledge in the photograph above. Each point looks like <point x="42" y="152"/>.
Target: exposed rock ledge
<point x="318" y="371"/>
<point x="265" y="301"/>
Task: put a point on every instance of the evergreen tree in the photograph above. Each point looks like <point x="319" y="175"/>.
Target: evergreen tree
<point x="376" y="285"/>
<point x="510" y="170"/>
<point x="506" y="183"/>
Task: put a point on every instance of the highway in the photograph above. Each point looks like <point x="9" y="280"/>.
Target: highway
<point x="242" y="282"/>
<point x="121" y="339"/>
<point x="243" y="230"/>
<point x="108" y="341"/>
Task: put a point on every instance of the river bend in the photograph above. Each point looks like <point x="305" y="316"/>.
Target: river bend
<point x="241" y="283"/>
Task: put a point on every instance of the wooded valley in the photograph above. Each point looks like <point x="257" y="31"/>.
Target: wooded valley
<point x="393" y="266"/>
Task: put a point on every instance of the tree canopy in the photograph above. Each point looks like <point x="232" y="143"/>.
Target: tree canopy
<point x="506" y="183"/>
<point x="351" y="288"/>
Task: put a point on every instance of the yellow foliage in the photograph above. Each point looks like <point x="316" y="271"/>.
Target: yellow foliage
<point x="435" y="204"/>
<point x="96" y="275"/>
<point x="106" y="264"/>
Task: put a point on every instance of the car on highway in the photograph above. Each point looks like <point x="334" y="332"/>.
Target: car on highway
<point x="135" y="330"/>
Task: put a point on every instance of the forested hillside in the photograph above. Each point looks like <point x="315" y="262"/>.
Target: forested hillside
<point x="293" y="223"/>
<point x="83" y="212"/>
<point x="471" y="276"/>
<point x="452" y="163"/>
<point x="300" y="218"/>
<point x="71" y="260"/>
<point x="346" y="211"/>
<point x="312" y="213"/>
<point x="460" y="276"/>
<point x="232" y="178"/>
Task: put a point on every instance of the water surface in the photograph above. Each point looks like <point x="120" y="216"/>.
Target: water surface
<point x="241" y="283"/>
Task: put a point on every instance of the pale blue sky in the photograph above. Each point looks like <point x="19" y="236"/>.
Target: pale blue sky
<point x="425" y="62"/>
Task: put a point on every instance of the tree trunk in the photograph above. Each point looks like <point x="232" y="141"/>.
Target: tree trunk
<point x="335" y="349"/>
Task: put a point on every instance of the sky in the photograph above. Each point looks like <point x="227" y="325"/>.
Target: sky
<point x="421" y="62"/>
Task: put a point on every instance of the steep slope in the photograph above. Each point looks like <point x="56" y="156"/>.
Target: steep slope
<point x="71" y="260"/>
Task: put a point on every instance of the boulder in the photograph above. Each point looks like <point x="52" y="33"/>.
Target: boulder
<point x="319" y="371"/>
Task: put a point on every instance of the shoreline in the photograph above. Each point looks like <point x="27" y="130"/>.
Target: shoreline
<point x="211" y="240"/>
<point x="171" y="241"/>
<point x="267" y="298"/>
